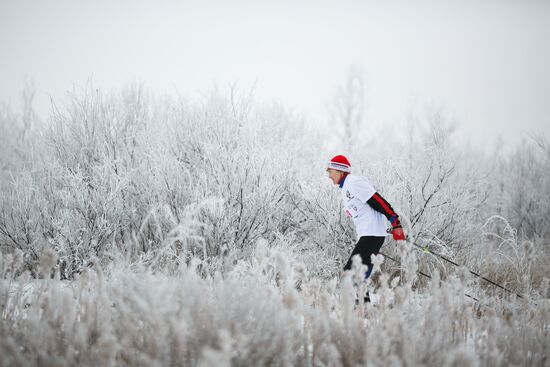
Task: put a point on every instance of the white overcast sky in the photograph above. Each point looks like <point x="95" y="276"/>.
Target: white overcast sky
<point x="486" y="63"/>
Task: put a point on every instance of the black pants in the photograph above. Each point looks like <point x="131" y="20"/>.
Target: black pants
<point x="366" y="246"/>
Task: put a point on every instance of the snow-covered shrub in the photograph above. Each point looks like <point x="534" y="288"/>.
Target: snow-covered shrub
<point x="118" y="173"/>
<point x="160" y="181"/>
<point x="520" y="190"/>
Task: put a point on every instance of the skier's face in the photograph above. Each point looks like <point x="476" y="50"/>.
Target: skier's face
<point x="335" y="175"/>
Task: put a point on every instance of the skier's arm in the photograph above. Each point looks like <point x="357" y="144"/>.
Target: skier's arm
<point x="378" y="203"/>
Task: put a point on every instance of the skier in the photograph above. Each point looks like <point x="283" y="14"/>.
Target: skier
<point x="368" y="210"/>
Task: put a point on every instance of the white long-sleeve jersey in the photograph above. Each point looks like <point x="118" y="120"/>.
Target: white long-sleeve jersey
<point x="356" y="190"/>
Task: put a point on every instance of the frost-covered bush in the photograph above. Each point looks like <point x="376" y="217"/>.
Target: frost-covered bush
<point x="521" y="186"/>
<point x="130" y="176"/>
<point x="207" y="233"/>
<point x="118" y="173"/>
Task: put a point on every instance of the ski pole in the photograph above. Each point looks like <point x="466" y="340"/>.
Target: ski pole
<point x="427" y="250"/>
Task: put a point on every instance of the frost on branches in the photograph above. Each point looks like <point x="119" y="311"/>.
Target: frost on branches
<point x="137" y="230"/>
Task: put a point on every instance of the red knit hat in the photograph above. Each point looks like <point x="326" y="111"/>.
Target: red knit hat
<point x="339" y="163"/>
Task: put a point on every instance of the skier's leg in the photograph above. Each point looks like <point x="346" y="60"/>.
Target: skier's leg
<point x="372" y="245"/>
<point x="355" y="251"/>
<point x="365" y="247"/>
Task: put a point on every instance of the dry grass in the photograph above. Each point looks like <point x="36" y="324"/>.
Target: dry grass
<point x="266" y="311"/>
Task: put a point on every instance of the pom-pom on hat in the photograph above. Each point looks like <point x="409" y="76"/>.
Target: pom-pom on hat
<point x="339" y="163"/>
